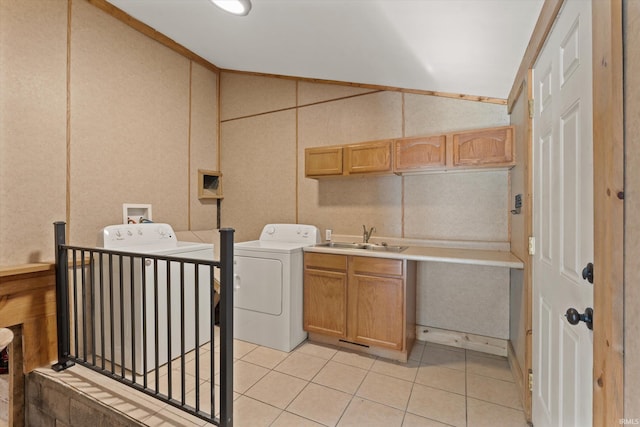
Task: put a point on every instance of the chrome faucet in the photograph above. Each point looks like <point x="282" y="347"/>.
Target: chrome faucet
<point x="366" y="235"/>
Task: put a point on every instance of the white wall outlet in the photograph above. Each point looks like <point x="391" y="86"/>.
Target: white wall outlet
<point x="327" y="235"/>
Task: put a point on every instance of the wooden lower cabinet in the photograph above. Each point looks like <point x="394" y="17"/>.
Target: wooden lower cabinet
<point x="367" y="303"/>
<point x="325" y="302"/>
<point x="377" y="309"/>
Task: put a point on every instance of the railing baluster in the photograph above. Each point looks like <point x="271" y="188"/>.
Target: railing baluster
<point x="183" y="394"/>
<point x="111" y="317"/>
<point x="145" y="349"/>
<point x="155" y="321"/>
<point x="196" y="290"/>
<point x="84" y="304"/>
<point x="132" y="298"/>
<point x="92" y="316"/>
<point x="169" y="327"/>
<point x="102" y="329"/>
<point x="121" y="311"/>
<point x="74" y="298"/>
<point x="212" y="328"/>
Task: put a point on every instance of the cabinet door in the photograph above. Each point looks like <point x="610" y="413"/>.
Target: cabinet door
<point x="323" y="161"/>
<point x="377" y="311"/>
<point x="414" y="154"/>
<point x="325" y="302"/>
<point x="487" y="147"/>
<point x="369" y="157"/>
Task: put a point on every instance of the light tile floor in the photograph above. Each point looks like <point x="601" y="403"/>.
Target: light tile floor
<point x="317" y="385"/>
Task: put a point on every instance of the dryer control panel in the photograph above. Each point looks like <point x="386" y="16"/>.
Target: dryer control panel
<point x="292" y="233"/>
<point x="126" y="235"/>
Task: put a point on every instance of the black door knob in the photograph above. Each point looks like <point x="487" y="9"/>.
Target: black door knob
<point x="574" y="317"/>
<point x="587" y="273"/>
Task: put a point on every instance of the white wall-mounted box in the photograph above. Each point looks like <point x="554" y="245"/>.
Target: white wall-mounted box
<point x="135" y="213"/>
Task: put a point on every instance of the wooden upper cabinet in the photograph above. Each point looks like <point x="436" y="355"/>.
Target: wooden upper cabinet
<point x="489" y="148"/>
<point x="420" y="153"/>
<point x="323" y="161"/>
<point x="369" y="157"/>
<point x="485" y="147"/>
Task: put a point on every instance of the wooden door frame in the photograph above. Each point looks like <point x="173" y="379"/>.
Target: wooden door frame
<point x="608" y="168"/>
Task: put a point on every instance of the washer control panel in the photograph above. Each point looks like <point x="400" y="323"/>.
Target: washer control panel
<point x="126" y="235"/>
<point x="293" y="233"/>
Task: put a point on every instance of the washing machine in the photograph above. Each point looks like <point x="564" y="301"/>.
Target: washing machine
<point x="137" y="279"/>
<point x="268" y="290"/>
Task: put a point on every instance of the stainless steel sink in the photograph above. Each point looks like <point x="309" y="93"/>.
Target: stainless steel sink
<point x="384" y="247"/>
<point x="364" y="246"/>
<point x="342" y="245"/>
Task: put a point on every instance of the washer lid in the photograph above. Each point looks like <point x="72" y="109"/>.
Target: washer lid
<point x="269" y="246"/>
<point x="183" y="249"/>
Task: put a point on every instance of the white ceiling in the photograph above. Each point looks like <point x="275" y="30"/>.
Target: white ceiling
<point x="471" y="47"/>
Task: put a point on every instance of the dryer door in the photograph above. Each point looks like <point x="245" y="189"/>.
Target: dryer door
<point x="258" y="284"/>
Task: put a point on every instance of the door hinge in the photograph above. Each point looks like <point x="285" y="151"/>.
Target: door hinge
<point x="530" y="380"/>
<point x="532" y="245"/>
<point x="531" y="108"/>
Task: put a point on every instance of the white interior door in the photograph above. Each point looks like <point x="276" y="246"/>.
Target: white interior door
<point x="563" y="221"/>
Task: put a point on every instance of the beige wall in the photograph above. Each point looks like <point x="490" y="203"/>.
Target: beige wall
<point x="142" y="119"/>
<point x="632" y="207"/>
<point x="33" y="62"/>
<point x="268" y="122"/>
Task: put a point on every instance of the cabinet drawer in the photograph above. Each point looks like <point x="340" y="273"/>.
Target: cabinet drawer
<point x="325" y="261"/>
<point x="379" y="266"/>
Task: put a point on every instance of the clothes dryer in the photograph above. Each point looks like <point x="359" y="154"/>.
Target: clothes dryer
<point x="268" y="276"/>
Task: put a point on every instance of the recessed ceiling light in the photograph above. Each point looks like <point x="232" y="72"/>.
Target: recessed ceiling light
<point x="236" y="7"/>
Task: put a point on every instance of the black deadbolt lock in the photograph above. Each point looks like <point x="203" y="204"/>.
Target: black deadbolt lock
<point x="587" y="273"/>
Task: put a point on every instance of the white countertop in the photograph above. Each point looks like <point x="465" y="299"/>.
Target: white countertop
<point x="486" y="257"/>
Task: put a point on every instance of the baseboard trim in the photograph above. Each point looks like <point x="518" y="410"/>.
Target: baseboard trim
<point x="464" y="340"/>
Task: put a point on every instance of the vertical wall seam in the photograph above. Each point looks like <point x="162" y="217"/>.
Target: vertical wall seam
<point x="402" y="183"/>
<point x="219" y="143"/>
<point x="68" y="124"/>
<point x="218" y="131"/>
<point x="510" y="197"/>
<point x="297" y="158"/>
<point x="189" y="149"/>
